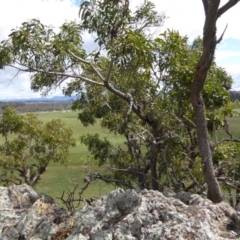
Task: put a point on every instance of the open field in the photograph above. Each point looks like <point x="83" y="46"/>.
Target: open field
<point x="234" y="127"/>
<point x="58" y="176"/>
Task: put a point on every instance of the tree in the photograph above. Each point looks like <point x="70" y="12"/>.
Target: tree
<point x="60" y="56"/>
<point x="29" y="146"/>
<point x="212" y="13"/>
<point x="138" y="84"/>
<point x="177" y="154"/>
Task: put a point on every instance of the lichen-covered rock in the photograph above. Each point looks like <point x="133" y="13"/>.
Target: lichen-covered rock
<point x="127" y="215"/>
<point x="151" y="215"/>
<point x="25" y="215"/>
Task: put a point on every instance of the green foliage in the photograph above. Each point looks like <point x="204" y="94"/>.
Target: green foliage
<point x="100" y="149"/>
<point x="136" y="83"/>
<point x="34" y="46"/>
<point x="29" y="146"/>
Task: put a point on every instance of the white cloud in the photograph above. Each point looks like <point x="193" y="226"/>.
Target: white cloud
<point x="13" y="13"/>
<point x="187" y="16"/>
<point x="54" y="12"/>
<point x="222" y="55"/>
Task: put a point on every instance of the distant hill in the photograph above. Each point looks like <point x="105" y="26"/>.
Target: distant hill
<point x="42" y="99"/>
<point x="234" y="95"/>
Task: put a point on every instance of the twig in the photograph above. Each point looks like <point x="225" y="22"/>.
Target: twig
<point x="70" y="200"/>
<point x="109" y="71"/>
<point x="226" y="181"/>
<point x="88" y="63"/>
<point x="99" y="176"/>
<point x="230" y="140"/>
<point x="194" y="125"/>
<point x="221" y="37"/>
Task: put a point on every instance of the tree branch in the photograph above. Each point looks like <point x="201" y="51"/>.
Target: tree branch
<point x="13" y="168"/>
<point x="99" y="176"/>
<point x="88" y="63"/>
<point x="108" y="85"/>
<point x="109" y="71"/>
<point x="226" y="7"/>
<point x="226" y="180"/>
<point x="126" y="98"/>
<point x="221" y="37"/>
<point x="230" y="140"/>
<point x="34" y="179"/>
<point x="58" y="74"/>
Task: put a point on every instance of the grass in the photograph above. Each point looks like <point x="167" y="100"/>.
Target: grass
<point x="234" y="128"/>
<point x="58" y="177"/>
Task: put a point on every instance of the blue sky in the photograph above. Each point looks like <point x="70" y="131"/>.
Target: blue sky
<point x="187" y="16"/>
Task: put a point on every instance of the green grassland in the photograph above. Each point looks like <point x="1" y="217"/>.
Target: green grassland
<point x="58" y="177"/>
<point x="234" y="127"/>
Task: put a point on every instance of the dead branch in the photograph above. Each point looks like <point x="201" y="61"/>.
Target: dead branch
<point x="71" y="202"/>
<point x="227" y="182"/>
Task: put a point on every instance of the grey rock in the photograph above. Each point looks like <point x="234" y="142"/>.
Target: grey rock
<point x="127" y="215"/>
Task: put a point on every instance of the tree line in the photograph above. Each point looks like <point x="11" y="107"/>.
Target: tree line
<point x="235" y="96"/>
<point x="22" y="107"/>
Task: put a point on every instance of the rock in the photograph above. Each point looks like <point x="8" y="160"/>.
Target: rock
<point x="24" y="214"/>
<point x="127" y="215"/>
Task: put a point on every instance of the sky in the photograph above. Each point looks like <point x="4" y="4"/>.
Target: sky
<point x="186" y="16"/>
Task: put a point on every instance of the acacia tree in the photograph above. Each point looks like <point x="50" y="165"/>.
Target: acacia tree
<point x="212" y="13"/>
<point x="136" y="83"/>
<point x="29" y="146"/>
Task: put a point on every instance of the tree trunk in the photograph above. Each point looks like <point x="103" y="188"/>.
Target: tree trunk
<point x="212" y="13"/>
<point x="214" y="191"/>
<point x="209" y="46"/>
<point x="238" y="195"/>
<point x="153" y="167"/>
<point x="154" y="155"/>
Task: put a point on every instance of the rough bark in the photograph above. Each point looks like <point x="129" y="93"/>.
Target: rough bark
<point x="154" y="153"/>
<point x="238" y="195"/>
<point x="212" y="12"/>
<point x="153" y="168"/>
